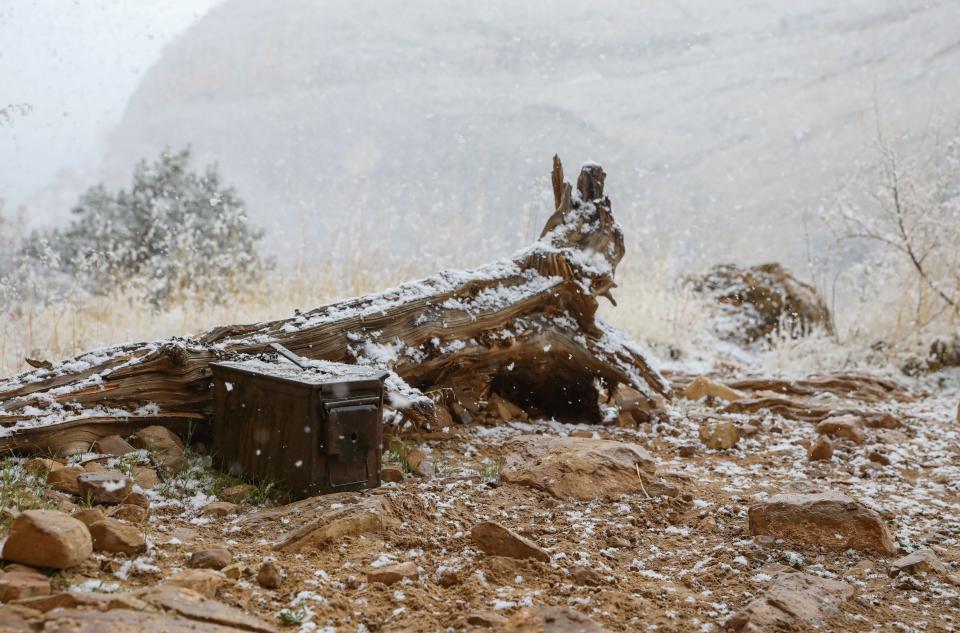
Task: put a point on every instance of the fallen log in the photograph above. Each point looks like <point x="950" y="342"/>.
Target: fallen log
<point x="524" y="328"/>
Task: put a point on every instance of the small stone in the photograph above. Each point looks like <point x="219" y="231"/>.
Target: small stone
<point x="268" y="576"/>
<point x="104" y="487"/>
<point x="881" y="421"/>
<point x="719" y="434"/>
<point x="237" y="494"/>
<point x="65" y="479"/>
<point x="413" y="457"/>
<point x="848" y="426"/>
<point x="486" y="619"/>
<point x="113" y="537"/>
<point x="497" y="540"/>
<point x="585" y="576"/>
<point x="391" y="474"/>
<point x="686" y="450"/>
<point x="41" y="467"/>
<point x="214" y="558"/>
<point x="157" y="438"/>
<point x="145" y="477"/>
<point x="582" y="433"/>
<point x="137" y="499"/>
<point x="233" y="571"/>
<point x="60" y="501"/>
<point x="821" y="449"/>
<point x="426" y="469"/>
<point x="112" y="445"/>
<point x="219" y="509"/>
<point x="861" y="568"/>
<point x="878" y="458"/>
<point x="47" y="538"/>
<point x="89" y="516"/>
<point x="95" y="467"/>
<point x="703" y="387"/>
<point x="393" y="573"/>
<point x="17" y="585"/>
<point x="78" y="599"/>
<point x="505" y="410"/>
<point x="830" y="519"/>
<point x="923" y="562"/>
<point x="448" y="578"/>
<point x="128" y="512"/>
<point x="206" y="582"/>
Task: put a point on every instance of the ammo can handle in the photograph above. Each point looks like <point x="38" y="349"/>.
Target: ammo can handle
<point x="290" y="356"/>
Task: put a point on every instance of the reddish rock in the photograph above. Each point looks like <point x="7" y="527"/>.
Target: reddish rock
<point x="114" y="537"/>
<point x="206" y="582"/>
<point x="219" y="509"/>
<point x="192" y="605"/>
<point x="137" y="499"/>
<point x="89" y="516"/>
<point x="65" y="479"/>
<point x="157" y="438"/>
<point x="237" y="494"/>
<point x="703" y="387"/>
<point x="77" y="599"/>
<point x="95" y="467"/>
<point x="848" y="426"/>
<point x="821" y="449"/>
<point x="393" y="573"/>
<point x="145" y="477"/>
<point x="497" y="540"/>
<point x="719" y="434"/>
<point x="128" y="512"/>
<point x="268" y="575"/>
<point x="923" y="562"/>
<point x="829" y="519"/>
<point x="41" y="467"/>
<point x="391" y="474"/>
<point x="213" y="558"/>
<point x="17" y="585"/>
<point x="113" y="445"/>
<point x="104" y="487"/>
<point x="793" y="599"/>
<point x="500" y="407"/>
<point x="47" y="538"/>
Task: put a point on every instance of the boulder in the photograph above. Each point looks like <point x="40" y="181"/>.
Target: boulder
<point x="47" y="538"/>
<point x="829" y="519"/>
<point x="268" y="576"/>
<point x="113" y="537"/>
<point x="206" y="582"/>
<point x="719" y="434"/>
<point x="703" y="387"/>
<point x="112" y="445"/>
<point x="104" y="487"/>
<point x="546" y="619"/>
<point x="393" y="573"/>
<point x="792" y="600"/>
<point x="219" y="509"/>
<point x="496" y="540"/>
<point x="237" y="494"/>
<point x="65" y="479"/>
<point x="848" y="426"/>
<point x="213" y="558"/>
<point x="17" y="585"/>
<point x="758" y="302"/>
<point x="821" y="449"/>
<point x="581" y="468"/>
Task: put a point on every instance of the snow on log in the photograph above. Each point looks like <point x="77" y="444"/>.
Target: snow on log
<point x="524" y="329"/>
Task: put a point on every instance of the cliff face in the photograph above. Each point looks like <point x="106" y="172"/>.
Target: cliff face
<point x="423" y="116"/>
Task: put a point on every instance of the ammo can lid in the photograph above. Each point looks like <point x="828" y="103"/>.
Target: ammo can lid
<point x="319" y="372"/>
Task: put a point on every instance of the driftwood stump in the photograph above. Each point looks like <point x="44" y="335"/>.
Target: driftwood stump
<point x="524" y="328"/>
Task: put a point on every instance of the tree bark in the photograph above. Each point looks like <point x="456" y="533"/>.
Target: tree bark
<point x="524" y="328"/>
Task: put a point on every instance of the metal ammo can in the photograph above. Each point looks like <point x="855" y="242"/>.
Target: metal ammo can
<point x="314" y="428"/>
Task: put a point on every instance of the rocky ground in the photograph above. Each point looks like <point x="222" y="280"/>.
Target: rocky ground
<point x="829" y="502"/>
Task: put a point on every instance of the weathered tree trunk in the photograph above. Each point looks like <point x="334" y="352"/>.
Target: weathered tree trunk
<point x="524" y="328"/>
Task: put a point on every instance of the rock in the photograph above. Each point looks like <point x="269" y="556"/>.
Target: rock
<point x="106" y="487"/>
<point x="157" y="439"/>
<point x="686" y="450"/>
<point x="881" y="421"/>
<point x="145" y="477"/>
<point x="582" y="433"/>
<point x="113" y="537"/>
<point x="505" y="410"/>
<point x="65" y="479"/>
<point x="195" y="606"/>
<point x="233" y="571"/>
<point x="878" y="458"/>
<point x="95" y="467"/>
<point x="861" y="568"/>
<point x="47" y="538"/>
<point x="219" y="509"/>
<point x="391" y="474"/>
<point x="486" y="619"/>
<point x="413" y="457"/>
<point x="127" y="512"/>
<point x="923" y="562"/>
<point x="448" y="578"/>
<point x="75" y="599"/>
<point x="89" y="516"/>
<point x="829" y="519"/>
<point x="112" y="445"/>
<point x="137" y="499"/>
<point x="580" y="468"/>
<point x="793" y="599"/>
<point x="585" y="576"/>
<point x="59" y="501"/>
<point x="237" y="494"/>
<point x="719" y="434"/>
<point x="136" y="621"/>
<point x="425" y="469"/>
<point x="41" y="467"/>
<point x="760" y="301"/>
<point x="16" y="585"/>
<point x="213" y="558"/>
<point x="15" y="618"/>
<point x="368" y="515"/>
<point x="206" y="582"/>
<point x="703" y="387"/>
<point x="546" y="619"/>
<point x="393" y="573"/>
<point x="268" y="576"/>
<point x="848" y="426"/>
<point x="497" y="540"/>
<point x="821" y="449"/>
